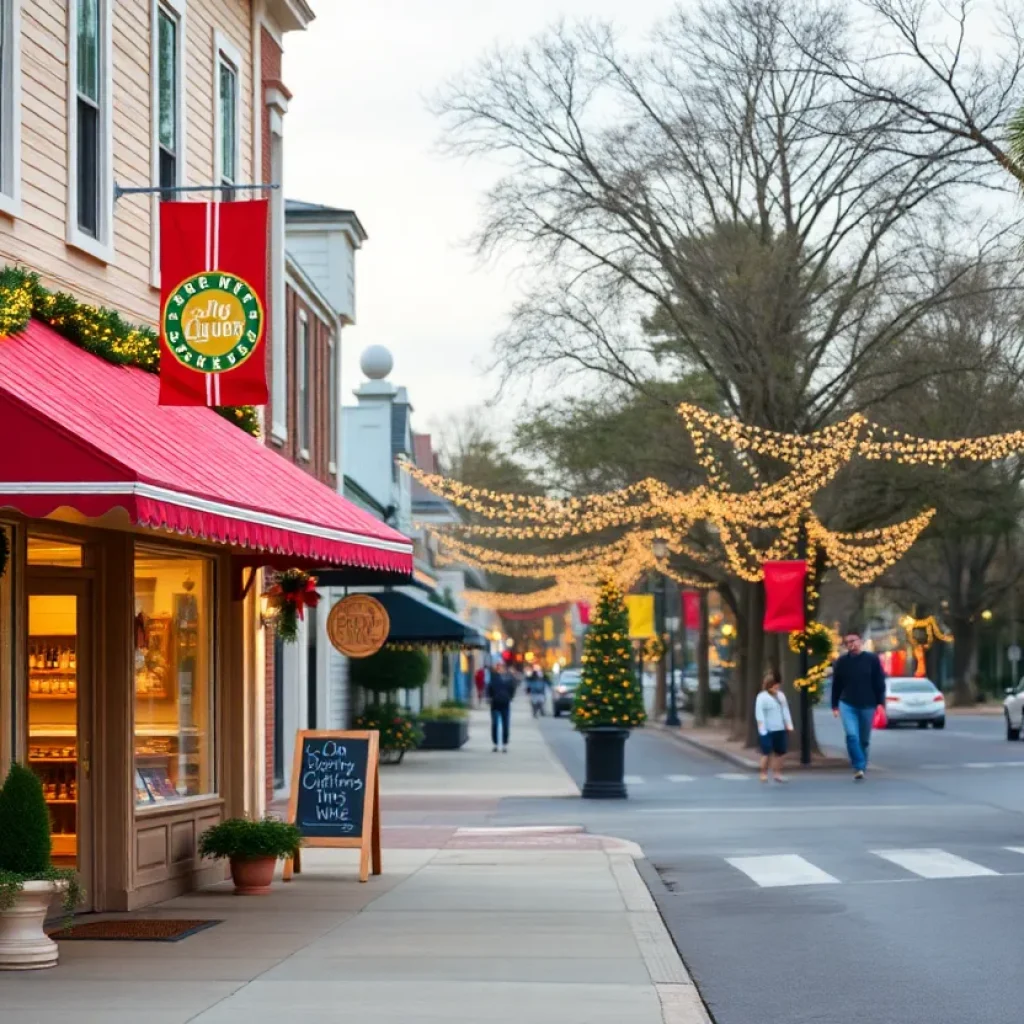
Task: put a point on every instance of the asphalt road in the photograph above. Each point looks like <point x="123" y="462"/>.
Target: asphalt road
<point x="828" y="901"/>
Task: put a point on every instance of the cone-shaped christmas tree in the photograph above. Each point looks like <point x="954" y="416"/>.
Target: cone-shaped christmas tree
<point x="608" y="693"/>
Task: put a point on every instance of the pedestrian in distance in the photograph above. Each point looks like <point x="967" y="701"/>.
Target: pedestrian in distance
<point x="501" y="688"/>
<point x="774" y="723"/>
<point x="480" y="682"/>
<point x="858" y="690"/>
<point x="536" y="687"/>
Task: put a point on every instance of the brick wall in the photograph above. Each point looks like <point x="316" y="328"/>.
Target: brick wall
<point x="319" y="335"/>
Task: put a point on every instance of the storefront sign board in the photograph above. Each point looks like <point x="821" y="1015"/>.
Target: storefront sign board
<point x="358" y="625"/>
<point x="335" y="797"/>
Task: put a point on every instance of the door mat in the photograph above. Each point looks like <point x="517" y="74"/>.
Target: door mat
<point x="135" y="929"/>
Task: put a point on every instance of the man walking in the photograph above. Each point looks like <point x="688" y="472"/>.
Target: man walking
<point x="501" y="688"/>
<point x="858" y="688"/>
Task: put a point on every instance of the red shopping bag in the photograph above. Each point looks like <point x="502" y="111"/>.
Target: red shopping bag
<point x="880" y="721"/>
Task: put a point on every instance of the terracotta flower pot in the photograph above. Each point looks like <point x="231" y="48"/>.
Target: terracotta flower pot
<point x="24" y="946"/>
<point x="252" y="876"/>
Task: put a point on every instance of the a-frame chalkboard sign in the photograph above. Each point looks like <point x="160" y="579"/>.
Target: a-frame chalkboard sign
<point x="335" y="797"/>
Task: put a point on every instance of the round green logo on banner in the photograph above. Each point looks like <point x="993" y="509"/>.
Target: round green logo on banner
<point x="213" y="322"/>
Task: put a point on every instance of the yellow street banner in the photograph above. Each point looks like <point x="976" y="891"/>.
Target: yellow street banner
<point x="641" y="615"/>
<point x="549" y="629"/>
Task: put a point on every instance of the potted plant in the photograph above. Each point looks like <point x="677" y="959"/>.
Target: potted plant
<point x="445" y="727"/>
<point x="608" y="701"/>
<point x="252" y="848"/>
<point x="28" y="880"/>
<point x="399" y="730"/>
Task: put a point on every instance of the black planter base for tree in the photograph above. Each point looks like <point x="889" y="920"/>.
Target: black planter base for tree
<point x="606" y="763"/>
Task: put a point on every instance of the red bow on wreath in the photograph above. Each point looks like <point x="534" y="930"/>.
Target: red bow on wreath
<point x="293" y="592"/>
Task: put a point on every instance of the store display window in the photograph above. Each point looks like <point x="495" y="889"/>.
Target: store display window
<point x="174" y="684"/>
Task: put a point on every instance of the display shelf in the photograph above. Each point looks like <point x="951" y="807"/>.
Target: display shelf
<point x="60" y="802"/>
<point x="53" y="696"/>
<point x="53" y="760"/>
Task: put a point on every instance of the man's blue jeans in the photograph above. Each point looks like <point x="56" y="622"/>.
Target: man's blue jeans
<point x="499" y="725"/>
<point x="857" y="726"/>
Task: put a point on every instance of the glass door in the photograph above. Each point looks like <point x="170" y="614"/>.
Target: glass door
<point x="59" y="731"/>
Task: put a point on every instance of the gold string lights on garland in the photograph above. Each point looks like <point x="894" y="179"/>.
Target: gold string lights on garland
<point x="101" y="332"/>
<point x="821" y="645"/>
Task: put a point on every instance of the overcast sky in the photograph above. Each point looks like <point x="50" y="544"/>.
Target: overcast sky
<point x="359" y="136"/>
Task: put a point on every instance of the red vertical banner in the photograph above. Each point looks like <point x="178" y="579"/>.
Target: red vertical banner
<point x="213" y="286"/>
<point x="691" y="609"/>
<point x="583" y="609"/>
<point x="784" y="596"/>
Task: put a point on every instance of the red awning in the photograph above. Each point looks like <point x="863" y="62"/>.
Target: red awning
<point x="82" y="433"/>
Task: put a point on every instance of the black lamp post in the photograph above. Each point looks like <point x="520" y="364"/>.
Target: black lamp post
<point x="659" y="547"/>
<point x="805" y="665"/>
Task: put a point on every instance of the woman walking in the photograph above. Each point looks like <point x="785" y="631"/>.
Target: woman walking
<point x="774" y="721"/>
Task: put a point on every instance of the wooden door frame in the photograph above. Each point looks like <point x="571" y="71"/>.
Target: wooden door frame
<point x="80" y="584"/>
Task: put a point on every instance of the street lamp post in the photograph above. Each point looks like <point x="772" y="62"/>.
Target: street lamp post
<point x="672" y="716"/>
<point x="805" y="667"/>
<point x="659" y="546"/>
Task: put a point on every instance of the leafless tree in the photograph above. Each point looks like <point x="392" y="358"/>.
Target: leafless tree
<point x="770" y="229"/>
<point x="954" y="71"/>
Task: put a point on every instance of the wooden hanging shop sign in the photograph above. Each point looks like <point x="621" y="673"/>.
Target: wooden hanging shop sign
<point x="358" y="625"/>
<point x="335" y="796"/>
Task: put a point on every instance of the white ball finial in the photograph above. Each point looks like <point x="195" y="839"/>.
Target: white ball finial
<point x="376" y="362"/>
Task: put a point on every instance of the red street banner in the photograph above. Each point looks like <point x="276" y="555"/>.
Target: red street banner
<point x="784" y="596"/>
<point x="691" y="609"/>
<point x="583" y="610"/>
<point x="213" y="280"/>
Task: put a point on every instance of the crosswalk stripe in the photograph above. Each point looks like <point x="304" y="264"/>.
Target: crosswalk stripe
<point x="1015" y="849"/>
<point x="734" y="776"/>
<point x="680" y="778"/>
<point x="773" y="870"/>
<point x="933" y="863"/>
<point x="633" y="780"/>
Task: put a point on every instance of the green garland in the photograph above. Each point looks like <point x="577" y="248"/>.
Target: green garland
<point x="100" y="331"/>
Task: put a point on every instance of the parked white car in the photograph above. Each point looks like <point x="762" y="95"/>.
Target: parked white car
<point x="1013" y="711"/>
<point x="912" y="699"/>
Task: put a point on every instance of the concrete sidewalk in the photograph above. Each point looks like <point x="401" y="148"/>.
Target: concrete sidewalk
<point x="550" y="925"/>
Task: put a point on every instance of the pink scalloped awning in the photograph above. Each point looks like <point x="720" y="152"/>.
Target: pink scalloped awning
<point x="84" y="434"/>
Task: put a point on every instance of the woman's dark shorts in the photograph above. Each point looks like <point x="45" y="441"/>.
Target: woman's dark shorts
<point x="774" y="743"/>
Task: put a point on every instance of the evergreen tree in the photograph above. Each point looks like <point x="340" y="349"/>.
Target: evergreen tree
<point x="608" y="693"/>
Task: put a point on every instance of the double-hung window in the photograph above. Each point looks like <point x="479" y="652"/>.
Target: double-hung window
<point x="168" y="97"/>
<point x="10" y="105"/>
<point x="302" y="377"/>
<point x="90" y="193"/>
<point x="227" y="144"/>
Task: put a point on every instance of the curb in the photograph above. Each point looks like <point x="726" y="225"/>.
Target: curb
<point x="724" y="755"/>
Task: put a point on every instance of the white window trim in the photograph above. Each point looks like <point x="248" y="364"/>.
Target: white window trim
<point x="302" y="383"/>
<point x="279" y="318"/>
<point x="102" y="247"/>
<point x="225" y="50"/>
<point x="177" y="10"/>
<point x="10" y="97"/>
<point x="333" y="397"/>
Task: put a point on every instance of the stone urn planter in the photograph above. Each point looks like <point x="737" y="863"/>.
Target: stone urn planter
<point x="606" y="763"/>
<point x="24" y="945"/>
<point x="252" y="875"/>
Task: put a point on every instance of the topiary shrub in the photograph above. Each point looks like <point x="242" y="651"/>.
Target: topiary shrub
<point x="25" y="841"/>
<point x="391" y="669"/>
<point x="24" y="824"/>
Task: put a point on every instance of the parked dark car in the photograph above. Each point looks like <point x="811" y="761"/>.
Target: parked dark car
<point x="563" y="693"/>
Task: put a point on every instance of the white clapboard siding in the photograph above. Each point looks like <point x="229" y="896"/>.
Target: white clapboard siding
<point x="36" y="238"/>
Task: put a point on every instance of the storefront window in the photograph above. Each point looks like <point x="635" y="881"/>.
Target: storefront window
<point x="174" y="753"/>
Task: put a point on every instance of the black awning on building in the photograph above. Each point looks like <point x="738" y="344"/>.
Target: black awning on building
<point x="419" y="622"/>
